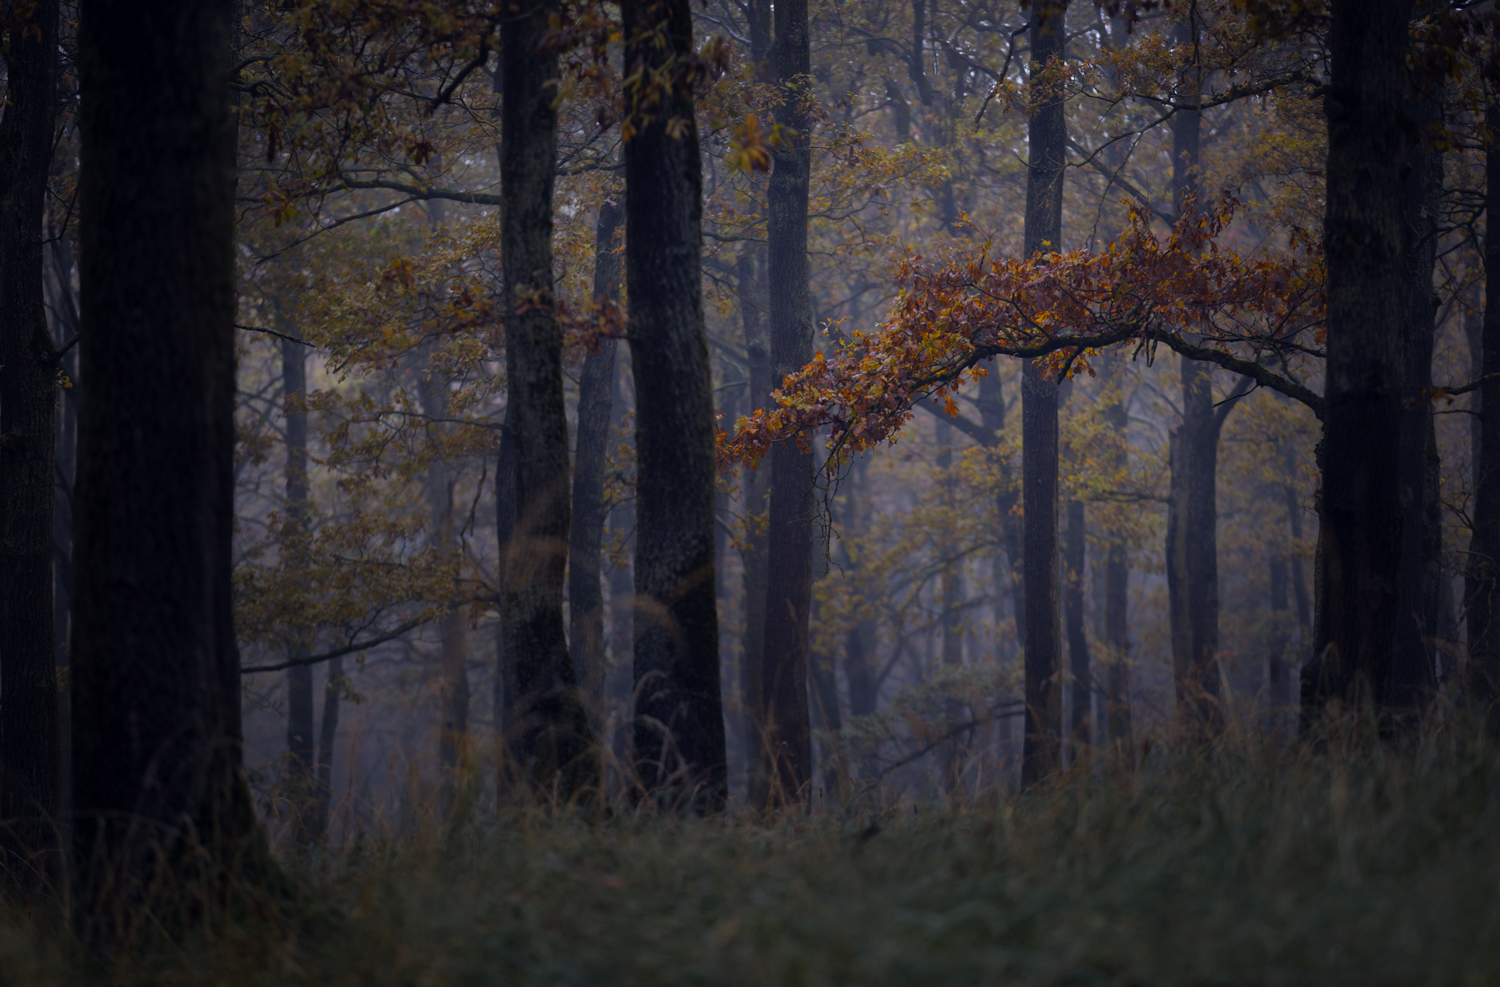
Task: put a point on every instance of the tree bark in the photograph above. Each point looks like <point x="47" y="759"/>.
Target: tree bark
<point x="595" y="400"/>
<point x="548" y="730"/>
<point x="1413" y="670"/>
<point x="155" y="667"/>
<point x="29" y="742"/>
<point x="755" y="488"/>
<point x="300" y="742"/>
<point x="1047" y="135"/>
<point x="1117" y="581"/>
<point x="679" y="724"/>
<point x="787" y="746"/>
<point x="1482" y="578"/>
<point x="1368" y="148"/>
<point x="1080" y="723"/>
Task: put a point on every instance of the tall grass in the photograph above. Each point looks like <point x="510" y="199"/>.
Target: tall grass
<point x="1354" y="864"/>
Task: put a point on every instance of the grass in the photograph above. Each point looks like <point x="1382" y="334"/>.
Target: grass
<point x="1238" y="867"/>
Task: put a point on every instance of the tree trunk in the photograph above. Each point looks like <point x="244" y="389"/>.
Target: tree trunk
<point x="679" y="725"/>
<point x="1047" y="136"/>
<point x="595" y="399"/>
<point x="29" y="751"/>
<point x="1117" y="581"/>
<point x="327" y="735"/>
<point x="300" y="742"/>
<point x="1413" y="671"/>
<point x="1078" y="642"/>
<point x="1482" y="578"/>
<point x="549" y="730"/>
<point x="1368" y="146"/>
<point x="755" y="488"/>
<point x="787" y="747"/>
<point x="155" y="667"/>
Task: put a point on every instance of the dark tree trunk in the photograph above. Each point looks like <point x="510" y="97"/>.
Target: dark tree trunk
<point x="787" y="747"/>
<point x="679" y="726"/>
<point x="1008" y="578"/>
<point x="1047" y="136"/>
<point x="300" y="742"/>
<point x="595" y="400"/>
<point x="442" y="535"/>
<point x="548" y="730"/>
<point x="29" y="753"/>
<point x="1360" y="534"/>
<point x="1078" y="641"/>
<point x="1117" y="580"/>
<point x="620" y="684"/>
<point x="1482" y="579"/>
<point x="755" y="488"/>
<point x="1192" y="524"/>
<point x="326" y="737"/>
<point x="1413" y="670"/>
<point x="156" y="684"/>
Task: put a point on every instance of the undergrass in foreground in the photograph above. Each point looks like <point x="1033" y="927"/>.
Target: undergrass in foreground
<point x="1233" y="867"/>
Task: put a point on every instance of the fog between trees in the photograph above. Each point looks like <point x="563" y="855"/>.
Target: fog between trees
<point x="725" y="406"/>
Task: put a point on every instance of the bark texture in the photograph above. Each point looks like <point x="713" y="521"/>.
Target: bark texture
<point x="787" y="744"/>
<point x="679" y="723"/>
<point x="1482" y="579"/>
<point x="1047" y="136"/>
<point x="29" y="742"/>
<point x="155" y="670"/>
<point x="546" y="726"/>
<point x="1413" y="676"/>
<point x="1369" y="138"/>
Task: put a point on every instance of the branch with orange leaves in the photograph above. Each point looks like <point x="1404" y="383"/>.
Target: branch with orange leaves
<point x="1058" y="307"/>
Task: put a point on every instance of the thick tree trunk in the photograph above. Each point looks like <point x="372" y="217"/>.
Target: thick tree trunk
<point x="155" y="668"/>
<point x="1482" y="579"/>
<point x="595" y="400"/>
<point x="679" y="726"/>
<point x="1368" y="147"/>
<point x="29" y="740"/>
<point x="327" y="735"/>
<point x="1047" y="136"/>
<point x="548" y="730"/>
<point x="1413" y="670"/>
<point x="300" y="742"/>
<point x="787" y="747"/>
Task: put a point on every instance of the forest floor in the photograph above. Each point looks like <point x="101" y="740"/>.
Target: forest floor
<point x="1234" y="867"/>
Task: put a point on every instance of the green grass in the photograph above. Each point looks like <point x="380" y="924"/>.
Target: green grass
<point x="1235" y="868"/>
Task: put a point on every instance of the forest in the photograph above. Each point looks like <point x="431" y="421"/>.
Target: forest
<point x="733" y="491"/>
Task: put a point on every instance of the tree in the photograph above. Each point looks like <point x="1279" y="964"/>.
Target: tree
<point x="545" y="724"/>
<point x="1482" y="578"/>
<point x="595" y="400"/>
<point x="1047" y="137"/>
<point x="787" y="742"/>
<point x="679" y="721"/>
<point x="1368" y="149"/>
<point x="158" y="790"/>
<point x="29" y="738"/>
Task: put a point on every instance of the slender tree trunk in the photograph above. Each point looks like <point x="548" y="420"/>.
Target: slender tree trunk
<point x="549" y="730"/>
<point x="155" y="668"/>
<point x="1413" y="670"/>
<point x="595" y="399"/>
<point x="1117" y="578"/>
<point x="1482" y="579"/>
<point x="300" y="742"/>
<point x="1080" y="725"/>
<point x="679" y="726"/>
<point x="756" y="486"/>
<point x="621" y="589"/>
<point x="1193" y="576"/>
<point x="66" y="328"/>
<point x="28" y="367"/>
<point x="327" y="735"/>
<point x="1360" y="534"/>
<point x="787" y="747"/>
<point x="1047" y="137"/>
